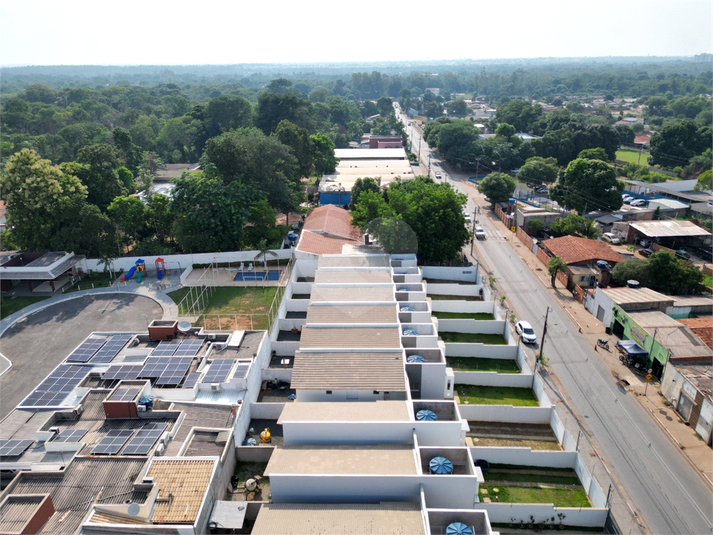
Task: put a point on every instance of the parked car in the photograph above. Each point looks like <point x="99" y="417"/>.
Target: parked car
<point x="542" y="189"/>
<point x="438" y="175"/>
<point x="627" y="198"/>
<point x="639" y="202"/>
<point x="646" y="252"/>
<point x="479" y="233"/>
<point x="611" y="238"/>
<point x="468" y="219"/>
<point x="526" y="332"/>
<point x="683" y="254"/>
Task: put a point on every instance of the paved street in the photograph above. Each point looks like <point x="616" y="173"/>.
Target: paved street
<point x="656" y="480"/>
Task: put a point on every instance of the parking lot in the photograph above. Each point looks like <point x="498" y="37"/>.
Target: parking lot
<point x="39" y="342"/>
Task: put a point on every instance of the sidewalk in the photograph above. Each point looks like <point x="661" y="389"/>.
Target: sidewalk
<point x="694" y="449"/>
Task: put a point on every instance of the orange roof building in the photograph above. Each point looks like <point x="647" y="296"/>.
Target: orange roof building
<point x="575" y="250"/>
<point x="327" y="230"/>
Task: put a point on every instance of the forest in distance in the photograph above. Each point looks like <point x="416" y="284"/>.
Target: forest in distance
<point x="98" y="134"/>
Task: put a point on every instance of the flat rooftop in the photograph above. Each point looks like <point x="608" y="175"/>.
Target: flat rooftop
<point x="388" y="518"/>
<point x="634" y="296"/>
<point x="669" y="229"/>
<point x="369" y="154"/>
<point x="383" y="372"/>
<point x="677" y="338"/>
<point x="384" y="459"/>
<point x="342" y="261"/>
<point x="366" y="313"/>
<point x="353" y="276"/>
<point x="350" y="337"/>
<point x="367" y="411"/>
<point x="352" y="294"/>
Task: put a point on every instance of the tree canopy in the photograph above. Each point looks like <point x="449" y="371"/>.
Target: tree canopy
<point x="588" y="184"/>
<point x="498" y="187"/>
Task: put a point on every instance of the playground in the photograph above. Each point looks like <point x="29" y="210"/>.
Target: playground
<point x="139" y="268"/>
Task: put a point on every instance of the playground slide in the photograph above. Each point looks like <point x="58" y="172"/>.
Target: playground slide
<point x="126" y="276"/>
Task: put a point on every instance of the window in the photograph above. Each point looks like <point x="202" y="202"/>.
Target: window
<point x="329" y="391"/>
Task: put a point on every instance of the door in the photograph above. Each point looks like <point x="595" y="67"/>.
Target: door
<point x="685" y="406"/>
<point x="600" y="314"/>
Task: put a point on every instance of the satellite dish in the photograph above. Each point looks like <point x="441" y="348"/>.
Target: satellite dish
<point x="134" y="509"/>
<point x="251" y="485"/>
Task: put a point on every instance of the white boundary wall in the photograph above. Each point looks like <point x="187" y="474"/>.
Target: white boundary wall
<point x="481" y="350"/>
<point x="467" y="274"/>
<point x="506" y="413"/>
<point x="182" y="261"/>
<point x="467" y="307"/>
<point x="502" y="513"/>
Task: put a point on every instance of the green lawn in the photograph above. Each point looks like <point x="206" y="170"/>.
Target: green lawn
<point x="463" y="315"/>
<point x="11" y="305"/>
<point x="533" y="478"/>
<point x="96" y="279"/>
<point x="439" y="297"/>
<point x="474" y="364"/>
<point x="496" y="395"/>
<point x="473" y="338"/>
<point x="632" y="156"/>
<point x="708" y="281"/>
<point x="558" y="497"/>
<point x="497" y="466"/>
<point x="234" y="299"/>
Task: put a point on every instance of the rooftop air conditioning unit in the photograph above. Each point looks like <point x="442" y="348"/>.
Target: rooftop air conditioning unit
<point x="220" y="346"/>
<point x="212" y="336"/>
<point x="148" y="481"/>
<point x="79" y="410"/>
<point x="215" y="387"/>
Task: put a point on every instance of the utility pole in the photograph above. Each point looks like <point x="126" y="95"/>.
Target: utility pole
<point x="544" y="332"/>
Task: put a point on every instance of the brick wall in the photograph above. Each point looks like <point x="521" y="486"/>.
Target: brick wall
<point x="524" y="237"/>
<point x="657" y="247"/>
<point x="579" y="293"/>
<point x="542" y="256"/>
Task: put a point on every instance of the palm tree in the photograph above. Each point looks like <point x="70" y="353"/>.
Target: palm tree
<point x="590" y="229"/>
<point x="264" y="251"/>
<point x="555" y="265"/>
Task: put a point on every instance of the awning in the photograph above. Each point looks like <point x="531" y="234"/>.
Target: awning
<point x="632" y="348"/>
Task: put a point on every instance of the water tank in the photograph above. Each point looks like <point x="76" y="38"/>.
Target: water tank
<point x="292" y="236"/>
<point x="633" y="284"/>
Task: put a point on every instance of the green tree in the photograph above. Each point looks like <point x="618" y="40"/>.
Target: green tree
<point x="676" y="144"/>
<point x="635" y="269"/>
<point x="323" y="157"/>
<point x="100" y="174"/>
<point x="670" y="275"/>
<point x="297" y="139"/>
<point x="588" y="183"/>
<point x="519" y="113"/>
<point x="458" y="108"/>
<point x="594" y="154"/>
<point x="160" y="218"/>
<point x="263" y="252"/>
<point x="41" y="200"/>
<point x="537" y="170"/>
<point x="554" y="266"/>
<point x="371" y="206"/>
<point x="273" y="108"/>
<point x="262" y="226"/>
<point x="362" y="185"/>
<point x="129" y="215"/>
<point x="227" y="113"/>
<point x="705" y="181"/>
<point x="535" y="226"/>
<point x="575" y="225"/>
<point x="498" y="187"/>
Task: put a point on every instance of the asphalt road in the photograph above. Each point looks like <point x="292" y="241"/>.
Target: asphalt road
<point x="657" y="481"/>
<point x="38" y="343"/>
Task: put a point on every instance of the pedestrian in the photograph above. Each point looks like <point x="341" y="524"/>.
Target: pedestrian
<point x="595" y="348"/>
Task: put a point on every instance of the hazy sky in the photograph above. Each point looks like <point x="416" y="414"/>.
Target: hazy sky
<point x="129" y="32"/>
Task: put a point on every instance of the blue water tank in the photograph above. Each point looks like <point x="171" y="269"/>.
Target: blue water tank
<point x="292" y="236"/>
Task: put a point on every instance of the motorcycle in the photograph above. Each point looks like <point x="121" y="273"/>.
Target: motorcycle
<point x="604" y="344"/>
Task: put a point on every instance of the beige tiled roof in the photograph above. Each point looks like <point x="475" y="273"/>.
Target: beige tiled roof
<point x="331" y="220"/>
<point x="392" y="518"/>
<point x="187" y="481"/>
<point x="339" y="313"/>
<point x="350" y="337"/>
<point x="354" y="294"/>
<point x="354" y="261"/>
<point x="366" y="411"/>
<point x="384" y="459"/>
<point x="352" y="276"/>
<point x="383" y="372"/>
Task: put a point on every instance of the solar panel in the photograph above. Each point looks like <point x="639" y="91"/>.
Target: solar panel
<point x="56" y="387"/>
<point x="86" y="350"/>
<point x="70" y="435"/>
<point x="112" y="442"/>
<point x="111" y="349"/>
<point x="153" y="367"/>
<point x="174" y="373"/>
<point x="118" y="373"/>
<point x="12" y="448"/>
<point x="165" y="348"/>
<point x="242" y="370"/>
<point x="188" y="348"/>
<point x="144" y="440"/>
<point x="124" y="394"/>
<point x="218" y="371"/>
<point x="191" y="380"/>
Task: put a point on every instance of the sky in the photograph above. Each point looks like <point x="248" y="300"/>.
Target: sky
<point x="152" y="32"/>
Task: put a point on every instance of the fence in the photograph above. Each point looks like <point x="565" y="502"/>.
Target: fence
<point x="196" y="300"/>
<point x="231" y="322"/>
<point x="524" y="237"/>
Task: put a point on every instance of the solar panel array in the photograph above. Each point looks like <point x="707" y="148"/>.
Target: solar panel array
<point x="218" y="371"/>
<point x="86" y="350"/>
<point x="112" y="442"/>
<point x="165" y="348"/>
<point x="12" y="448"/>
<point x="175" y="371"/>
<point x="118" y="373"/>
<point x="111" y="349"/>
<point x="57" y="386"/>
<point x="242" y="370"/>
<point x="154" y="367"/>
<point x="70" y="435"/>
<point x="191" y="380"/>
<point x="124" y="394"/>
<point x="188" y="348"/>
<point x="144" y="440"/>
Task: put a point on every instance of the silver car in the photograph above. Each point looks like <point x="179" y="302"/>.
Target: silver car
<point x="526" y="332"/>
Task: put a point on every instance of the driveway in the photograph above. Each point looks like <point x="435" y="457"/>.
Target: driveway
<point x="39" y="342"/>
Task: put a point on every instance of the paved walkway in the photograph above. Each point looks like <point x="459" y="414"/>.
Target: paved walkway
<point x="694" y="449"/>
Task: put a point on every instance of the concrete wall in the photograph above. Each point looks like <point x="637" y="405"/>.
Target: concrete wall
<point x="182" y="261"/>
<point x="472" y="326"/>
<point x="516" y="380"/>
<point x="433" y="380"/>
<point x="471" y="307"/>
<point x="267" y="411"/>
<point x="469" y="274"/>
<point x="482" y="351"/>
<point x="277" y="374"/>
<point x="502" y="513"/>
<point x="506" y="413"/>
<point x="472" y="290"/>
<point x="254" y="454"/>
